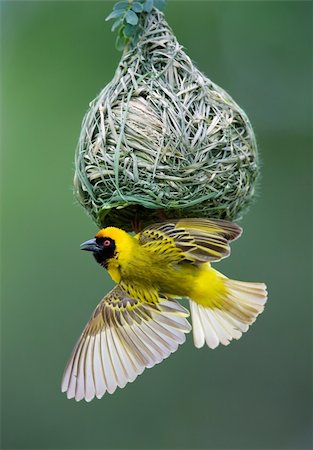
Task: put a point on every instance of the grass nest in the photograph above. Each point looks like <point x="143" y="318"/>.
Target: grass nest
<point x="161" y="140"/>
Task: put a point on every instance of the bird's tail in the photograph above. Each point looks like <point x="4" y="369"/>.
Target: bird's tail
<point x="230" y="316"/>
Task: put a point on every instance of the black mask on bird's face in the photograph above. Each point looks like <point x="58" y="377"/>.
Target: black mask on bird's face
<point x="103" y="249"/>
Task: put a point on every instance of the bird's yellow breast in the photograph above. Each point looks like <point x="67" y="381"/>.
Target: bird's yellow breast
<point x="150" y="269"/>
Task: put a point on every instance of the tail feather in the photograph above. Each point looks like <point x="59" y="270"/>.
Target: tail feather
<point x="241" y="305"/>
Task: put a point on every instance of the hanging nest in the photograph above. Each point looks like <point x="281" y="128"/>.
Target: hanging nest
<point x="163" y="141"/>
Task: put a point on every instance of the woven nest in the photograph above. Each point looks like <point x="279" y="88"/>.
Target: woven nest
<point x="162" y="140"/>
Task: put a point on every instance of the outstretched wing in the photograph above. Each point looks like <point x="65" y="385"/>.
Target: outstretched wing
<point x="194" y="240"/>
<point x="122" y="338"/>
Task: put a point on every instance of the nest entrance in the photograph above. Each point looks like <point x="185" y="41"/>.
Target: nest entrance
<point x="134" y="217"/>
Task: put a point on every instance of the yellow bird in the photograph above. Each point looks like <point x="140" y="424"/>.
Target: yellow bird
<point x="140" y="323"/>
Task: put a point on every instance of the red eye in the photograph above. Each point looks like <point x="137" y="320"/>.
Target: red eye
<point x="106" y="243"/>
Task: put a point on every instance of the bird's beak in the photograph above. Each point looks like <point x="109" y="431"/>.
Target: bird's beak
<point x="90" y="246"/>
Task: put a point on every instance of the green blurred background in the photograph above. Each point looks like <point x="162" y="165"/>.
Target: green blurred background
<point x="254" y="394"/>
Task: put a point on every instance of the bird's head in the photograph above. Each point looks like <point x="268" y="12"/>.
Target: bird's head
<point x="108" y="244"/>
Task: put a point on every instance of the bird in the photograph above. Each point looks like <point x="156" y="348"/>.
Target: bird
<point x="141" y="321"/>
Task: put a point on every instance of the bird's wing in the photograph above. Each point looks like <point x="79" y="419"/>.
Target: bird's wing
<point x="194" y="240"/>
<point x="122" y="338"/>
<point x="140" y="292"/>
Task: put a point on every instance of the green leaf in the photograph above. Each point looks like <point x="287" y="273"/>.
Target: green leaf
<point x="160" y="4"/>
<point x="148" y="5"/>
<point x="129" y="30"/>
<point x="116" y="24"/>
<point x="135" y="37"/>
<point x="131" y="18"/>
<point x="115" y="14"/>
<point x="120" y="42"/>
<point x="121" y="5"/>
<point x="137" y="7"/>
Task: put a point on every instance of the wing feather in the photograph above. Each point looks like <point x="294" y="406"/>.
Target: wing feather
<point x="123" y="337"/>
<point x="193" y="240"/>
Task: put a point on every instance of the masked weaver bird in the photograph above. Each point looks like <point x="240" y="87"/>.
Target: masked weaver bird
<point x="140" y="322"/>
